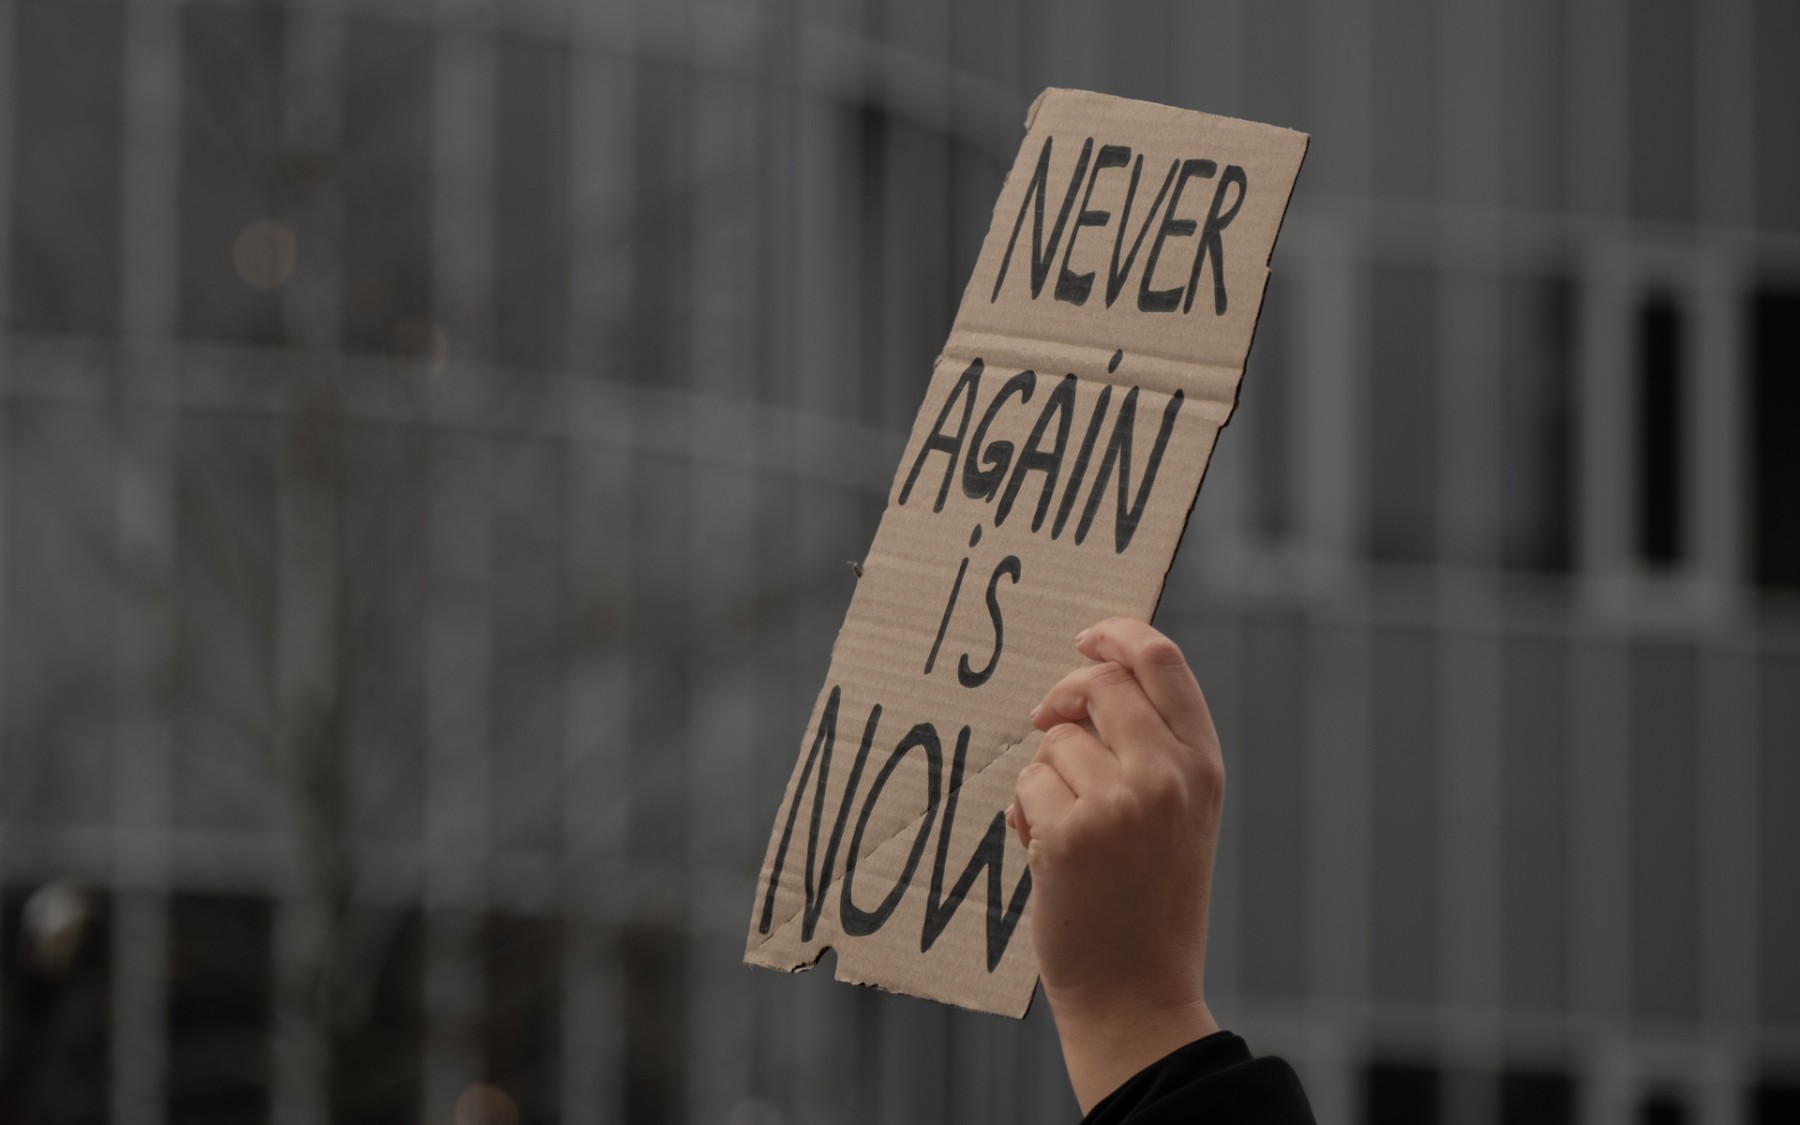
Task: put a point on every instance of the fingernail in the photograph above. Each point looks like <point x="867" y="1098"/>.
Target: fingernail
<point x="1080" y="637"/>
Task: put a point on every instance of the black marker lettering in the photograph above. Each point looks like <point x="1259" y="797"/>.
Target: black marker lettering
<point x="1082" y="454"/>
<point x="1167" y="300"/>
<point x="1034" y="458"/>
<point x="966" y="675"/>
<point x="989" y="853"/>
<point x="1211" y="245"/>
<point x="1041" y="254"/>
<point x="856" y="921"/>
<point x="1125" y="522"/>
<point x="981" y="484"/>
<point x="1070" y="286"/>
<point x="940" y="442"/>
<point x="1116" y="274"/>
<point x="816" y="879"/>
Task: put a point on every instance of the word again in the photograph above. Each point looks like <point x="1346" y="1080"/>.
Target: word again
<point x="993" y="469"/>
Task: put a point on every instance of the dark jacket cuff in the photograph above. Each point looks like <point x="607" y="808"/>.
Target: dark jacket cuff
<point x="1215" y="1076"/>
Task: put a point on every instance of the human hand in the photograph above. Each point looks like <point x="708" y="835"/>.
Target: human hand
<point x="1119" y="815"/>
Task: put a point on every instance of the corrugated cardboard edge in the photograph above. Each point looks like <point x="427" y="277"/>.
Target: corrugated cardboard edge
<point x="753" y="955"/>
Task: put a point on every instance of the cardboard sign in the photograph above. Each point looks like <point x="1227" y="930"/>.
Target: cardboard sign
<point x="1047" y="481"/>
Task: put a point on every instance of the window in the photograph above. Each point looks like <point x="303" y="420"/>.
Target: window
<point x="1775" y="1103"/>
<point x="1537" y="422"/>
<point x="1402" y="425"/>
<point x="67" y="162"/>
<point x="377" y="1060"/>
<point x="1661" y="52"/>
<point x="235" y="253"/>
<point x="531" y="183"/>
<point x="1537" y="1097"/>
<point x="1775" y="456"/>
<point x="385" y="252"/>
<point x="221" y="1003"/>
<point x="1660" y="450"/>
<point x="521" y="1032"/>
<point x="1401" y="1094"/>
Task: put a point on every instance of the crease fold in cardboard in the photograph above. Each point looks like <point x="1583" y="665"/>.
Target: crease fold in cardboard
<point x="1046" y="483"/>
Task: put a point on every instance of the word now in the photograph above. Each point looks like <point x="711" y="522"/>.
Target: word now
<point x="940" y="908"/>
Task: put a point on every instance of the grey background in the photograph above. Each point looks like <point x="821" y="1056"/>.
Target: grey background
<point x="411" y="654"/>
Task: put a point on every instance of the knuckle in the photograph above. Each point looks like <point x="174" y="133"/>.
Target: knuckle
<point x="1163" y="787"/>
<point x="1209" y="772"/>
<point x="1109" y="674"/>
<point x="1162" y="651"/>
<point x="1033" y="771"/>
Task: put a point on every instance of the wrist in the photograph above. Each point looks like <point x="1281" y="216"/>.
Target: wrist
<point x="1106" y="1039"/>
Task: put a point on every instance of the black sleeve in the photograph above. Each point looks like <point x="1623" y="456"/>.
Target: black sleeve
<point x="1212" y="1080"/>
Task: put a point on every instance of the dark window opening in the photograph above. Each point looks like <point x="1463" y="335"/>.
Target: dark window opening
<point x="1660" y="450"/>
<point x="1775" y="1103"/>
<point x="1537" y="1097"/>
<point x="521" y="1037"/>
<point x="377" y="1060"/>
<point x="1663" y="1108"/>
<point x="1401" y="1094"/>
<point x="221" y="1002"/>
<point x="1775" y="454"/>
<point x="652" y="960"/>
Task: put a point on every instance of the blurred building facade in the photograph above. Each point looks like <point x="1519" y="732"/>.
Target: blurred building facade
<point x="432" y="434"/>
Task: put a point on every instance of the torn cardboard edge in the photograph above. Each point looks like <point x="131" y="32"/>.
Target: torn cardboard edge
<point x="1051" y="470"/>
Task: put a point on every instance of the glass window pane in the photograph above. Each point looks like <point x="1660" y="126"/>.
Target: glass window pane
<point x="225" y="626"/>
<point x="1778" y="853"/>
<point x="1665" y="833"/>
<point x="527" y="621"/>
<point x="67" y="154"/>
<point x="1664" y="118"/>
<point x="1535" y="95"/>
<point x="1775" y="455"/>
<point x="377" y="1055"/>
<point x="1777" y="93"/>
<point x="385" y="250"/>
<point x="1661" y="451"/>
<point x="1535" y="830"/>
<point x="60" y="585"/>
<point x="531" y="185"/>
<point x="1404" y="786"/>
<point x="1268" y="793"/>
<point x="1406" y="98"/>
<point x="1402" y="421"/>
<point x="235" y="255"/>
<point x="1538" y="423"/>
<point x="380" y="483"/>
<point x="221" y="1007"/>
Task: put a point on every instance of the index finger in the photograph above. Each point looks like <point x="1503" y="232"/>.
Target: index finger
<point x="1160" y="669"/>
